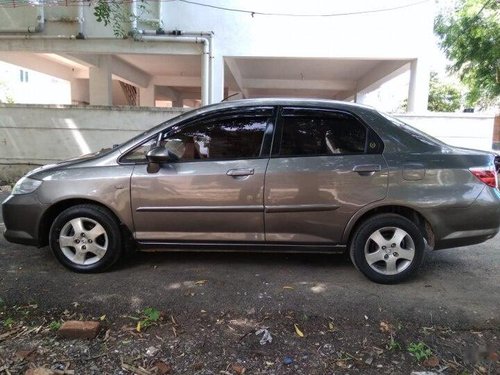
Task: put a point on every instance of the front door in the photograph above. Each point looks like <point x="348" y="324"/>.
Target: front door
<point x="214" y="192"/>
<point x="325" y="166"/>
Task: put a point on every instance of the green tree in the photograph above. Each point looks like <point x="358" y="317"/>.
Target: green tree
<point x="470" y="37"/>
<point x="443" y="97"/>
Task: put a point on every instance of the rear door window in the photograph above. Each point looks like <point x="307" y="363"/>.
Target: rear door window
<point x="322" y="133"/>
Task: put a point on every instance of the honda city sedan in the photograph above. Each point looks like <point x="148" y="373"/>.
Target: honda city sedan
<point x="264" y="175"/>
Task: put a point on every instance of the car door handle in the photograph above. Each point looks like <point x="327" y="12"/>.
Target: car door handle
<point x="367" y="169"/>
<point x="240" y="172"/>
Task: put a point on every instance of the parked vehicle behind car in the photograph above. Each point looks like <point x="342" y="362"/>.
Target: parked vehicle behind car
<point x="264" y="175"/>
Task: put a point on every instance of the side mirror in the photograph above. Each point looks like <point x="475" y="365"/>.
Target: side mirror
<point x="159" y="155"/>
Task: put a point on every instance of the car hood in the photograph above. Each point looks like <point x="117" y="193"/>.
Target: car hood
<point x="41" y="172"/>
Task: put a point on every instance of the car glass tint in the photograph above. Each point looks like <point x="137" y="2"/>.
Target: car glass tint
<point x="420" y="135"/>
<point x="332" y="134"/>
<point x="138" y="154"/>
<point x="219" y="139"/>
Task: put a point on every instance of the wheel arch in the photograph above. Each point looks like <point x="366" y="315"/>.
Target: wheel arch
<point x="55" y="209"/>
<point x="408" y="212"/>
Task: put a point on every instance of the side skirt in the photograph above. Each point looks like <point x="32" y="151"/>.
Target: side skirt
<point x="154" y="246"/>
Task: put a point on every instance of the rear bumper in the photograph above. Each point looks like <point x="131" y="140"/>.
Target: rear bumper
<point x="22" y="215"/>
<point x="467" y="226"/>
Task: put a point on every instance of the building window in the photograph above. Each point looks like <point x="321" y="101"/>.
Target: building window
<point x="23" y="75"/>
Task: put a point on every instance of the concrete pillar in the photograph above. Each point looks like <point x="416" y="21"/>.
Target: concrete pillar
<point x="79" y="91"/>
<point x="177" y="102"/>
<point x="418" y="90"/>
<point x="100" y="82"/>
<point x="217" y="93"/>
<point x="147" y="96"/>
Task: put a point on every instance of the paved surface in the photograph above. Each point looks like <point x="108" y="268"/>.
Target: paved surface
<point x="457" y="288"/>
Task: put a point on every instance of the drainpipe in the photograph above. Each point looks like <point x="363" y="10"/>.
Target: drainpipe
<point x="206" y="37"/>
<point x="40" y="17"/>
<point x="81" y="20"/>
<point x="206" y="71"/>
<point x="133" y="11"/>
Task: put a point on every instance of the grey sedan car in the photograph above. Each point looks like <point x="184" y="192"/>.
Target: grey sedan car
<point x="264" y="175"/>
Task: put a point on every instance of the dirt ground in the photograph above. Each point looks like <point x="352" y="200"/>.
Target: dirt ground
<point x="226" y="343"/>
<point x="198" y="313"/>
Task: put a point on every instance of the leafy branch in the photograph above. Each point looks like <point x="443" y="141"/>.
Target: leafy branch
<point x="118" y="15"/>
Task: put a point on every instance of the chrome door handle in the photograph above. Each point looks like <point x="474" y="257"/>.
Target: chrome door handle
<point x="367" y="169"/>
<point x="240" y="172"/>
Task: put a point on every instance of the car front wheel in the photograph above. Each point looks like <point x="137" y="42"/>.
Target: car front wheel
<point x="387" y="248"/>
<point x="86" y="238"/>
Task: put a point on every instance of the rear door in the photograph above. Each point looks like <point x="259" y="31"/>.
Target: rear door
<point x="214" y="192"/>
<point x="325" y="166"/>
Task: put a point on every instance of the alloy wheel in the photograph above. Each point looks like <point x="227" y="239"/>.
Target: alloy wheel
<point x="389" y="250"/>
<point x="83" y="241"/>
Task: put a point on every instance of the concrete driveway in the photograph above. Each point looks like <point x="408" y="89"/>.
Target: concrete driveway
<point x="457" y="287"/>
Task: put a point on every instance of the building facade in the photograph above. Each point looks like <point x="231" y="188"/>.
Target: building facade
<point x="188" y="53"/>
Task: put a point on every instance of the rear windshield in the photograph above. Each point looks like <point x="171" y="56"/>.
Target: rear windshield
<point x="420" y="135"/>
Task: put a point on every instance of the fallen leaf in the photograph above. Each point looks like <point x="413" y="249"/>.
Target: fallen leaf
<point x="385" y="327"/>
<point x="39" y="371"/>
<point x="200" y="282"/>
<point x="331" y="327"/>
<point x="431" y="362"/>
<point x="102" y="317"/>
<point x="341" y="364"/>
<point x="298" y="331"/>
<point x="198" y="366"/>
<point x="238" y="369"/>
<point x="135" y="370"/>
<point x="162" y="368"/>
<point x="493" y="356"/>
<point x="138" y="327"/>
<point x="25" y="354"/>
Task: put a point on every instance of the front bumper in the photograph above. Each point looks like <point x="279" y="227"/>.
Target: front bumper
<point x="22" y="215"/>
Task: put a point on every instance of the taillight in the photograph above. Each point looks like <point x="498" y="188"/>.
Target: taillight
<point x="487" y="175"/>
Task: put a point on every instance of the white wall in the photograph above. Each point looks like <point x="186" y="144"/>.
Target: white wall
<point x="468" y="130"/>
<point x="43" y="134"/>
<point x="396" y="34"/>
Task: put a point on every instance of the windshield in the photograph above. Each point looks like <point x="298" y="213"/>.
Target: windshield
<point x="420" y="135"/>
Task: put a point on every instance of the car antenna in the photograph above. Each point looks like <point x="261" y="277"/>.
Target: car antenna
<point x="230" y="96"/>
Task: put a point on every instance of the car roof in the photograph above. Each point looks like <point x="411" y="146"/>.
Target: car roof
<point x="319" y="103"/>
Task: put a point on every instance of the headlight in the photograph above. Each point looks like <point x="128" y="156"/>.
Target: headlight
<point x="26" y="185"/>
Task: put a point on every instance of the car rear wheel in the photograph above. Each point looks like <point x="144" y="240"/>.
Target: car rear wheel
<point x="86" y="238"/>
<point x="387" y="248"/>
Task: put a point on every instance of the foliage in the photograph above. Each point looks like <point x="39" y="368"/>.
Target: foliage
<point x="393" y="345"/>
<point x="149" y="316"/>
<point x="5" y="94"/>
<point x="470" y="36"/>
<point x="118" y="15"/>
<point x="420" y="350"/>
<point x="54" y="325"/>
<point x="8" y="323"/>
<point x="443" y="97"/>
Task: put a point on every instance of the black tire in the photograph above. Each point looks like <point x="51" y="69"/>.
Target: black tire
<point x="393" y="267"/>
<point x="89" y="216"/>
